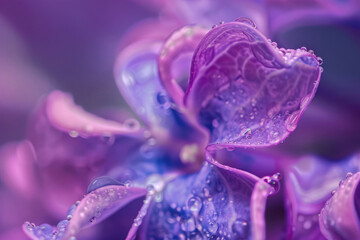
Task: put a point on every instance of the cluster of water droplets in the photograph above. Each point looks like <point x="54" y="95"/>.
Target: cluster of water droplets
<point x="47" y="232"/>
<point x="199" y="217"/>
<point x="130" y="124"/>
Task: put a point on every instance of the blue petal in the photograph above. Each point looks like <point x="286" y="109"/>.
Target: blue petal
<point x="212" y="203"/>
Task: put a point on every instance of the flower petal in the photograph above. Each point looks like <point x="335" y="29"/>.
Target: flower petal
<point x="245" y="90"/>
<point x="309" y="184"/>
<point x="217" y="201"/>
<point x="136" y="74"/>
<point x="182" y="41"/>
<point x="339" y="219"/>
<point x="93" y="208"/>
<point x="62" y="130"/>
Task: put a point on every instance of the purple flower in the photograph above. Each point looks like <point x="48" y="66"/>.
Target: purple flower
<point x="241" y="91"/>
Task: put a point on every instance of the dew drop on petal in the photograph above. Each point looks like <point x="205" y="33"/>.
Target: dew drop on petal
<point x="101" y="182"/>
<point x="132" y="123"/>
<point x="246" y="20"/>
<point x="320" y="60"/>
<point x="240" y="228"/>
<point x="194" y="204"/>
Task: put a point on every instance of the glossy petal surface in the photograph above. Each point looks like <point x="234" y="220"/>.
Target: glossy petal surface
<point x="309" y="185"/>
<point x="215" y="202"/>
<point x="93" y="208"/>
<point x="245" y="90"/>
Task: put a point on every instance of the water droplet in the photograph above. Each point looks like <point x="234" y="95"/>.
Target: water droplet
<point x="246" y="133"/>
<point x="132" y="123"/>
<point x="194" y="204"/>
<point x="214" y="26"/>
<point x="274" y="182"/>
<point x="215" y="123"/>
<point x="348" y="175"/>
<point x="230" y="149"/>
<point x="206" y="192"/>
<point x="303" y="48"/>
<point x="307" y="224"/>
<point x="341" y="183"/>
<point x="163" y="99"/>
<point x="246" y="20"/>
<point x="222" y="22"/>
<point x="240" y="228"/>
<point x="188" y="225"/>
<point x="320" y="60"/>
<point x="73" y="133"/>
<point x="92" y="220"/>
<point x="292" y="120"/>
<point x="212" y="226"/>
<point x="333" y="192"/>
<point x="46" y="229"/>
<point x="101" y="182"/>
<point x="108" y="138"/>
<point x="61" y="226"/>
<point x="311" y="51"/>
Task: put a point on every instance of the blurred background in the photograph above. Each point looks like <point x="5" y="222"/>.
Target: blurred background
<point x="72" y="45"/>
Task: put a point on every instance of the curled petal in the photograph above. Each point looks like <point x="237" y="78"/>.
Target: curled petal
<point x="92" y="209"/>
<point x="245" y="90"/>
<point x="62" y="130"/>
<point x="309" y="184"/>
<point x="181" y="42"/>
<point x="214" y="202"/>
<point x="339" y="219"/>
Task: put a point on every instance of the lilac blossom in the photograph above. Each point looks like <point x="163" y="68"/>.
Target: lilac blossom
<point x="208" y="101"/>
<point x="242" y="91"/>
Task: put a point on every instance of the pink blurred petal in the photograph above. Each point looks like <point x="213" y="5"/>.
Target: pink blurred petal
<point x="245" y="90"/>
<point x="61" y="130"/>
<point x="18" y="170"/>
